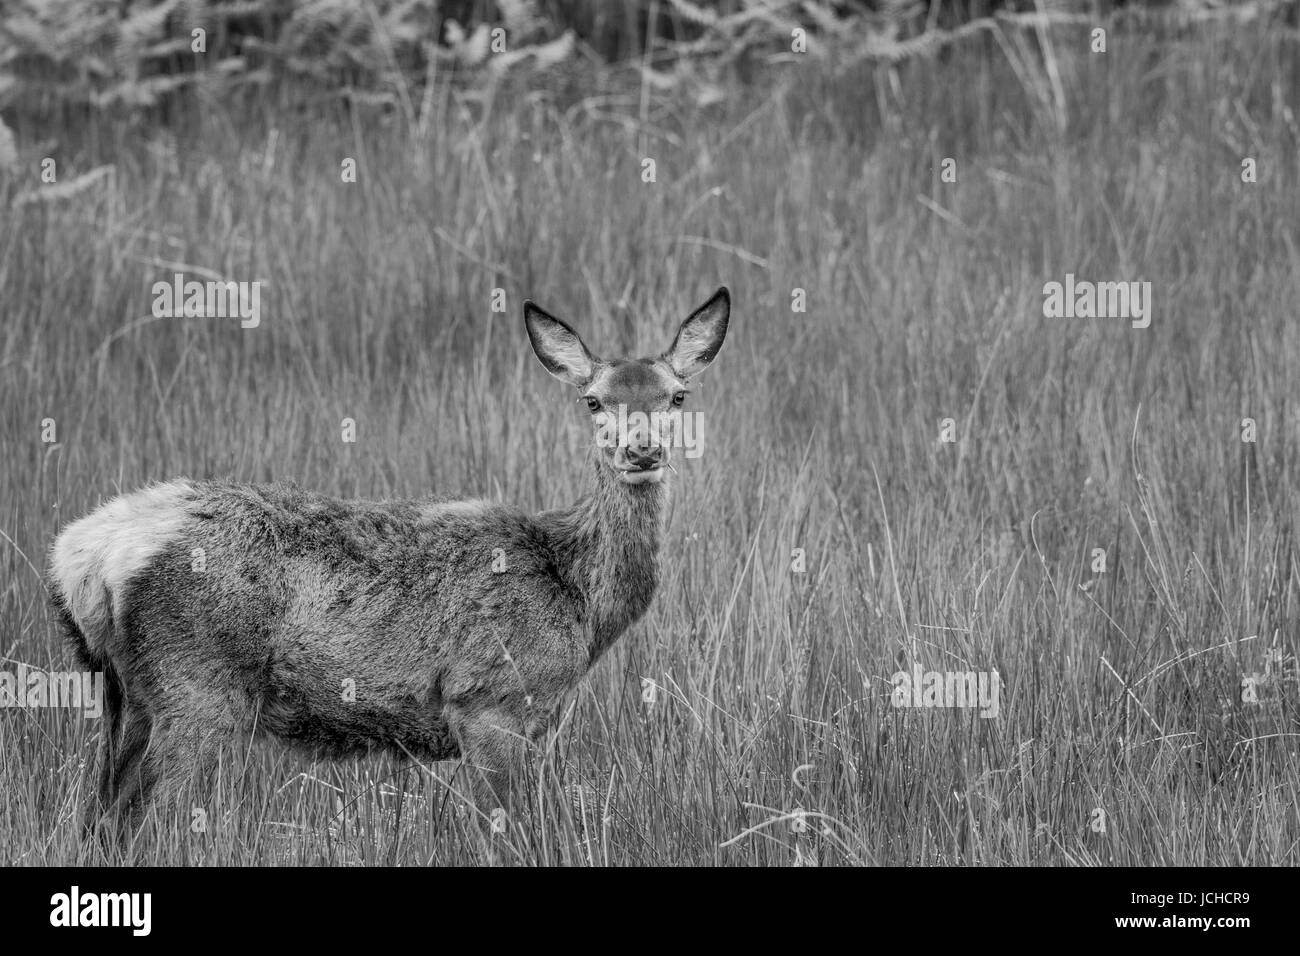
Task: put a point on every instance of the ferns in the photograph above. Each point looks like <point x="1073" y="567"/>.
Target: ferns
<point x="130" y="54"/>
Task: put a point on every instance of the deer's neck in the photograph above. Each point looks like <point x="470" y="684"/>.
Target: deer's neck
<point x="609" y="544"/>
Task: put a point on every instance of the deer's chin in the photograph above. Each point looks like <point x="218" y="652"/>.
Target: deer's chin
<point x="648" y="476"/>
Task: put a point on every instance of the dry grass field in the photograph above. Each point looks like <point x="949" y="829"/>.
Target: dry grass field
<point x="828" y="536"/>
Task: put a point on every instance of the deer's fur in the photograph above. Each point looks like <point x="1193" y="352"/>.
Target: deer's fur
<point x="216" y="609"/>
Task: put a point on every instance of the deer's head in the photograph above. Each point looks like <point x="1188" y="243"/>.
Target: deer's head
<point x="636" y="405"/>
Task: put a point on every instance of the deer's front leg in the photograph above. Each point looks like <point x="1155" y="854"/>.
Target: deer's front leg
<point x="493" y="744"/>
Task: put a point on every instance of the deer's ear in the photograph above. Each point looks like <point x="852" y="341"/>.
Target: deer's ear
<point x="559" y="347"/>
<point x="701" y="335"/>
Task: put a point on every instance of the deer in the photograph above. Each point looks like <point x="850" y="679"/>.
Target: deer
<point x="427" y="628"/>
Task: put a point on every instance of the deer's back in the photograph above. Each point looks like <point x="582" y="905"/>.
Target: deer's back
<point x="343" y="624"/>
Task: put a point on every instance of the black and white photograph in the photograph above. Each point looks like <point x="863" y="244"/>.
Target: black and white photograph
<point x="836" y="434"/>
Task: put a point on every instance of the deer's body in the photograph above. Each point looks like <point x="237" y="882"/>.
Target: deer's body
<point x="435" y="629"/>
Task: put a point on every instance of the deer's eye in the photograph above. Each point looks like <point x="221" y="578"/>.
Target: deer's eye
<point x="593" y="404"/>
<point x="679" y="399"/>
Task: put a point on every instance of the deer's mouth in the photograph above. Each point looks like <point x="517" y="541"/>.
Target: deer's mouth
<point x="641" y="476"/>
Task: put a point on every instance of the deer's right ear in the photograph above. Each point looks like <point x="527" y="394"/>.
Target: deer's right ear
<point x="701" y="335"/>
<point x="558" y="347"/>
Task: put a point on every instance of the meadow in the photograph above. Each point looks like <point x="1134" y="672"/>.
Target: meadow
<point x="1106" y="530"/>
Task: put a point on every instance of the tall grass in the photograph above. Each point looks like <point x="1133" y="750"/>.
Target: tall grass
<point x="1122" y="691"/>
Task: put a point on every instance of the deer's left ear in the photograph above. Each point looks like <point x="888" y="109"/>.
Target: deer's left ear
<point x="700" y="336"/>
<point x="559" y="347"/>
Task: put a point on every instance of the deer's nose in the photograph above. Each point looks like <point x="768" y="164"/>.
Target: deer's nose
<point x="644" y="455"/>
